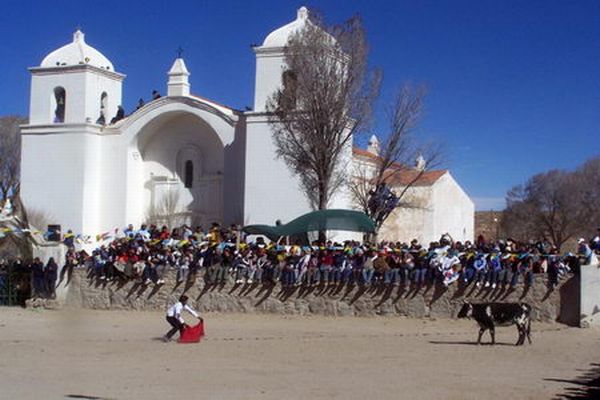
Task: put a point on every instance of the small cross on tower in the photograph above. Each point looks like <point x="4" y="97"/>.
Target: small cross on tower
<point x="179" y="51"/>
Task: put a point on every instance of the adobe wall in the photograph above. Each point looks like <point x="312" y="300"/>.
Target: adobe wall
<point x="561" y="304"/>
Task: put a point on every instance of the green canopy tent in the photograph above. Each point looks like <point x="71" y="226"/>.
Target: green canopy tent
<point x="322" y="220"/>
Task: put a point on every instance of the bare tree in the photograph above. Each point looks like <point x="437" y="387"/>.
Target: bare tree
<point x="167" y="211"/>
<point x="547" y="207"/>
<point x="20" y="237"/>
<point x="16" y="243"/>
<point x="588" y="181"/>
<point x="395" y="160"/>
<point x="324" y="101"/>
<point x="10" y="156"/>
<point x="38" y="219"/>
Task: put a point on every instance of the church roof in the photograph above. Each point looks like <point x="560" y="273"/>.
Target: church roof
<point x="406" y="176"/>
<point x="75" y="53"/>
<point x="364" y="153"/>
<point x="219" y="106"/>
<point x="279" y="37"/>
<point x="400" y="175"/>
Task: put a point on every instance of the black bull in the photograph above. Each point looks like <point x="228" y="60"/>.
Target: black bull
<point x="490" y="315"/>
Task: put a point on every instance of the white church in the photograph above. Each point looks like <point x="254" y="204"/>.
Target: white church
<point x="93" y="169"/>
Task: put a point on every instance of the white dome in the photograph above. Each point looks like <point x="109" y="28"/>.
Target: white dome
<point x="279" y="37"/>
<point x="75" y="53"/>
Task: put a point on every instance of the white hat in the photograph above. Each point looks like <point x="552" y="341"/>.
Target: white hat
<point x="581" y="240"/>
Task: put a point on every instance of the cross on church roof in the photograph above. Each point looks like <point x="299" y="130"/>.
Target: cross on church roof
<point x="179" y="51"/>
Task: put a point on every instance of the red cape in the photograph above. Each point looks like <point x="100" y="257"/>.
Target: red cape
<point x="192" y="334"/>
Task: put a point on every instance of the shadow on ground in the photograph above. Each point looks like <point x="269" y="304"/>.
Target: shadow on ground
<point x="585" y="386"/>
<point x="473" y="343"/>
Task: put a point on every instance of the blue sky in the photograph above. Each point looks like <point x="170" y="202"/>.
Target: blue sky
<point x="513" y="86"/>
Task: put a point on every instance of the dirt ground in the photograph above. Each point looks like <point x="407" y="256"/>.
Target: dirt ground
<point x="117" y="355"/>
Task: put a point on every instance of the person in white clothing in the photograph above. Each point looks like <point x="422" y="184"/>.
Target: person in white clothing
<point x="174" y="317"/>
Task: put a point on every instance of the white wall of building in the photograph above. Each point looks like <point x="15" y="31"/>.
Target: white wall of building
<point x="59" y="175"/>
<point x="270" y="66"/>
<point x="454" y="211"/>
<point x="234" y="183"/>
<point x="113" y="184"/>
<point x="272" y="192"/>
<point x="590" y="294"/>
<point x="412" y="222"/>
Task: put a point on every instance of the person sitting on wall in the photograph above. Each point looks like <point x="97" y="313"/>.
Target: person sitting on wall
<point x="174" y="317"/>
<point x="120" y="115"/>
<point x="595" y="242"/>
<point x="129" y="231"/>
<point x="584" y="251"/>
<point x="69" y="239"/>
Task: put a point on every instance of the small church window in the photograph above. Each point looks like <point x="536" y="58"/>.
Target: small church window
<point x="188" y="174"/>
<point x="60" y="95"/>
<point x="290" y="84"/>
<point x="103" y="106"/>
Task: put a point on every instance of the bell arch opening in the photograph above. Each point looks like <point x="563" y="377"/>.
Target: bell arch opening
<point x="59" y="104"/>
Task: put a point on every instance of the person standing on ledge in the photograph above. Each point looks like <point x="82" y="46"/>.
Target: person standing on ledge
<point x="174" y="317"/>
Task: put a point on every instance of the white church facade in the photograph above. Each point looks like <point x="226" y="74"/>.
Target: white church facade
<point x="91" y="175"/>
<point x="203" y="161"/>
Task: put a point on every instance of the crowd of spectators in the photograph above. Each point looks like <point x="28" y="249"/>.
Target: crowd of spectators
<point x="40" y="278"/>
<point x="220" y="255"/>
<point x="15" y="282"/>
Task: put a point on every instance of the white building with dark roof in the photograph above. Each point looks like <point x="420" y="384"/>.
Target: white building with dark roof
<point x="434" y="203"/>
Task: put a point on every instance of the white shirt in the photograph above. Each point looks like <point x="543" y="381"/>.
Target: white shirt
<point x="449" y="262"/>
<point x="303" y="263"/>
<point x="176" y="309"/>
<point x="144" y="234"/>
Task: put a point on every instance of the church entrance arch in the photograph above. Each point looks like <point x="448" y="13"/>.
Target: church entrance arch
<point x="180" y="166"/>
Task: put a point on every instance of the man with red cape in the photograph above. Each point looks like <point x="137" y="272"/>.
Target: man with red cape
<point x="187" y="334"/>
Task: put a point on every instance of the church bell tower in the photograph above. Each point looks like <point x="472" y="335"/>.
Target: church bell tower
<point x="74" y="84"/>
<point x="75" y="92"/>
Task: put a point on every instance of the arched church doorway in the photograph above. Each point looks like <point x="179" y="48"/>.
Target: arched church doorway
<point x="183" y="162"/>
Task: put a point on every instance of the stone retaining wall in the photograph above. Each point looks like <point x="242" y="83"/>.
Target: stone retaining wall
<point x="432" y="301"/>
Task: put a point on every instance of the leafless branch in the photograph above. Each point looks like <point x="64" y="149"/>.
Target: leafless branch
<point x="324" y="101"/>
<point x="167" y="210"/>
<point x="549" y="206"/>
<point x="394" y="165"/>
<point x="10" y="156"/>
